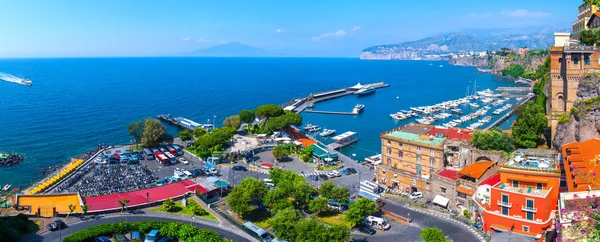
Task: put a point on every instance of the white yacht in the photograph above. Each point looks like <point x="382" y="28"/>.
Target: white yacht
<point x="327" y="132"/>
<point x="358" y="108"/>
<point x="365" y="91"/>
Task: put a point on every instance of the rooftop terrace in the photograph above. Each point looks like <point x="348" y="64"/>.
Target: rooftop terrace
<point x="523" y="190"/>
<point x="533" y="160"/>
<point x="423" y="139"/>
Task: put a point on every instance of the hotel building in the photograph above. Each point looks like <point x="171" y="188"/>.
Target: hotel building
<point x="585" y="13"/>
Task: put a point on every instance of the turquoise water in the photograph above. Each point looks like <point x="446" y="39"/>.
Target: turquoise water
<point x="76" y="104"/>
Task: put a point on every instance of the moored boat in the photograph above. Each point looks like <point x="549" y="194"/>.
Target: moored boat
<point x="365" y="91"/>
<point x="327" y="132"/>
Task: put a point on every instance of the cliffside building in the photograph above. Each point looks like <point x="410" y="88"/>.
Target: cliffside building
<point x="581" y="162"/>
<point x="585" y="13"/>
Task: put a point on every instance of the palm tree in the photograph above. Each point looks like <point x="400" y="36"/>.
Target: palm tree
<point x="84" y="208"/>
<point x="123" y="203"/>
<point x="71" y="209"/>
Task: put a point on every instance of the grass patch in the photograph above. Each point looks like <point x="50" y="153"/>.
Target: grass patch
<point x="327" y="168"/>
<point x="137" y="148"/>
<point x="184" y="210"/>
<point x="258" y="217"/>
<point x="333" y="217"/>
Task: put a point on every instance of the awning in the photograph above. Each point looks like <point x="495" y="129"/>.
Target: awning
<point x="440" y="200"/>
<point x="465" y="190"/>
<point x="500" y="227"/>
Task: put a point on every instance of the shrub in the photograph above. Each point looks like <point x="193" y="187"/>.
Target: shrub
<point x="574" y="111"/>
<point x="563" y="118"/>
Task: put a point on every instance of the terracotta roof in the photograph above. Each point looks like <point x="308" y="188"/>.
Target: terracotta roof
<point x="465" y="190"/>
<point x="577" y="161"/>
<point x="452" y="133"/>
<point x="493" y="180"/>
<point x="450" y="174"/>
<point x="477" y="169"/>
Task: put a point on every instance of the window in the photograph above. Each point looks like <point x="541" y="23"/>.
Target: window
<point x="529" y="203"/>
<point x="431" y="153"/>
<point x="525" y="228"/>
<point x="389" y="151"/>
<point x="529" y="215"/>
<point x="539" y="186"/>
<point x="418" y="149"/>
<point x="515" y="183"/>
<point x="432" y="161"/>
<point x="504" y="210"/>
<point x="487" y="189"/>
<point x="564" y="183"/>
<point x="418" y="159"/>
<point x="586" y="59"/>
<point x="389" y="142"/>
<point x="443" y="189"/>
<point x="389" y="161"/>
<point x="575" y="60"/>
<point x="400" y="154"/>
<point x="399" y="146"/>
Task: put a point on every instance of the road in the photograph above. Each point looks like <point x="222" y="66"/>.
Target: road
<point x="57" y="236"/>
<point x="453" y="230"/>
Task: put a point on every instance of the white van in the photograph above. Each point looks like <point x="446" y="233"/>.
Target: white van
<point x="377" y="222"/>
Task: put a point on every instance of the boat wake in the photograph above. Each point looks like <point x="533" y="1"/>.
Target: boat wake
<point x="10" y="78"/>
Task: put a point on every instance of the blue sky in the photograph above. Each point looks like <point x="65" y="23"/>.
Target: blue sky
<point x="61" y="28"/>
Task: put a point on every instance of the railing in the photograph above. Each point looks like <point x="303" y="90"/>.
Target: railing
<point x="581" y="48"/>
<point x="467" y="183"/>
<point x="528" y="209"/>
<point x="504" y="204"/>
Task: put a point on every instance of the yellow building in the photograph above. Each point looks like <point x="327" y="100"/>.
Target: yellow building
<point x="411" y="155"/>
<point x="585" y="13"/>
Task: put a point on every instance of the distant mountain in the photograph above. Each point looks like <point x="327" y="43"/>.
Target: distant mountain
<point x="232" y="49"/>
<point x="463" y="41"/>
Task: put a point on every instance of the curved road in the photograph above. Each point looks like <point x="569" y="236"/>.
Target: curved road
<point x="59" y="235"/>
<point x="452" y="229"/>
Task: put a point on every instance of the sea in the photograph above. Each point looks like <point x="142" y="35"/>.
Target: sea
<point x="75" y="104"/>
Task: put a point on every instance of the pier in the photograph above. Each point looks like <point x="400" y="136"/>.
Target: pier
<point x="183" y="123"/>
<point x="324" y="96"/>
<point x="330" y="112"/>
<point x="508" y="115"/>
<point x="513" y="89"/>
<point x="342" y="140"/>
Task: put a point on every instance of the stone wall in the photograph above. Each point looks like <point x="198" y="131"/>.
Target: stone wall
<point x="450" y="185"/>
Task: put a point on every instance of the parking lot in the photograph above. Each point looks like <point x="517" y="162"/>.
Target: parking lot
<point x="397" y="232"/>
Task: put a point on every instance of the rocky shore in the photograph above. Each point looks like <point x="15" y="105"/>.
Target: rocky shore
<point x="9" y="159"/>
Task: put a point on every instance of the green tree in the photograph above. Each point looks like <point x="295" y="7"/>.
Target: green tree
<point x="359" y="210"/>
<point x="71" y="209"/>
<point x="186" y="135"/>
<point x="136" y="129"/>
<point x="341" y="194"/>
<point x="249" y="191"/>
<point x="168" y="205"/>
<point x="239" y="201"/>
<point x="154" y="132"/>
<point x="198" y="131"/>
<point x="232" y="121"/>
<point x="247" y="116"/>
<point x="123" y="203"/>
<point x="495" y="139"/>
<point x="318" y="205"/>
<point x="84" y="209"/>
<point x="531" y="123"/>
<point x="313" y="230"/>
<point x="513" y="70"/>
<point x="269" y="111"/>
<point x="327" y="189"/>
<point x="284" y="223"/>
<point x="433" y="235"/>
<point x="279" y="152"/>
<point x="282" y="121"/>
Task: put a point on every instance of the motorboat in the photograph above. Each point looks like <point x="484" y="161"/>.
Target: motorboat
<point x="309" y="126"/>
<point x="327" y="132"/>
<point x="358" y="108"/>
<point x="474" y="105"/>
<point x="6" y="187"/>
<point x="456" y="111"/>
<point x="365" y="91"/>
<point x="26" y="82"/>
<point x="314" y="129"/>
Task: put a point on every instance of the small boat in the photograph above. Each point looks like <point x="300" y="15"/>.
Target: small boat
<point x="311" y="105"/>
<point x="475" y="105"/>
<point x="430" y="64"/>
<point x="365" y="91"/>
<point x="314" y="129"/>
<point x="327" y="132"/>
<point x="309" y="126"/>
<point x="457" y="111"/>
<point x="358" y="108"/>
<point x="6" y="187"/>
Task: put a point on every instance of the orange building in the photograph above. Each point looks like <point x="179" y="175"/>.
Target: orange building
<point x="525" y="200"/>
<point x="582" y="165"/>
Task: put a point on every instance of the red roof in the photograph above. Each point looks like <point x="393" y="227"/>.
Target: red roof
<point x="493" y="180"/>
<point x="266" y="165"/>
<point x="452" y="133"/>
<point x="450" y="174"/>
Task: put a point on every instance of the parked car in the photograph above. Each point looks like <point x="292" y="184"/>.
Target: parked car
<point x="330" y="174"/>
<point x="239" y="168"/>
<point x="314" y="177"/>
<point x="346" y="172"/>
<point x="324" y="176"/>
<point x="352" y="170"/>
<point x="183" y="160"/>
<point x="195" y="173"/>
<point x="416" y="195"/>
<point x="136" y="234"/>
<point x="120" y="238"/>
<point x="152" y="236"/>
<point x="365" y="229"/>
<point x="56" y="225"/>
<point x="102" y="239"/>
<point x="336" y="173"/>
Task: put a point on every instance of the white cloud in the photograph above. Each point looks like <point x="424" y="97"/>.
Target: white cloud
<point x="517" y="13"/>
<point x="355" y="28"/>
<point x="201" y="40"/>
<point x="223" y="42"/>
<point x="339" y="33"/>
<point x="185" y="39"/>
<point x="280" y="31"/>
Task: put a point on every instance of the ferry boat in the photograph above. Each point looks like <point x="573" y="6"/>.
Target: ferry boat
<point x="327" y="132"/>
<point x="358" y="108"/>
<point x="26" y="82"/>
<point x="365" y="91"/>
<point x="6" y="187"/>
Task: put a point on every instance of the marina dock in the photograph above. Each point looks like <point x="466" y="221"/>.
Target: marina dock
<point x="303" y="105"/>
<point x="330" y="112"/>
<point x="507" y="115"/>
<point x="183" y="123"/>
<point x="342" y="140"/>
<point x="513" y="89"/>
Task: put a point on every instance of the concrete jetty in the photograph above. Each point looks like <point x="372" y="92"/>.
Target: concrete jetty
<point x="513" y="89"/>
<point x="330" y="112"/>
<point x="328" y="95"/>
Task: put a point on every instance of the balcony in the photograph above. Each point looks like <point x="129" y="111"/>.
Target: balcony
<point x="504" y="204"/>
<point x="466" y="183"/>
<point x="528" y="209"/>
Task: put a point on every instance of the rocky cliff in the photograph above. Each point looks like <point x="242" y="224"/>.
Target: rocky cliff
<point x="583" y="121"/>
<point x="496" y="62"/>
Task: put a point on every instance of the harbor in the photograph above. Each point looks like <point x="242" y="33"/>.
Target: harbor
<point x="301" y="105"/>
<point x="184" y="123"/>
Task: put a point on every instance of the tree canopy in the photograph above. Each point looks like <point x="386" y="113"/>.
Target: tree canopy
<point x="359" y="210"/>
<point x="433" y="235"/>
<point x="198" y="131"/>
<point x="513" y="70"/>
<point x="313" y="230"/>
<point x="154" y="133"/>
<point x="232" y="121"/>
<point x="531" y="123"/>
<point x="135" y="129"/>
<point x="186" y="135"/>
<point x="495" y="139"/>
<point x="280" y="122"/>
<point x="248" y="192"/>
<point x="284" y="223"/>
<point x="334" y="192"/>
<point x="247" y="116"/>
<point x="318" y="205"/>
<point x="279" y="152"/>
<point x="290" y="189"/>
<point x="215" y="138"/>
<point x="269" y="110"/>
